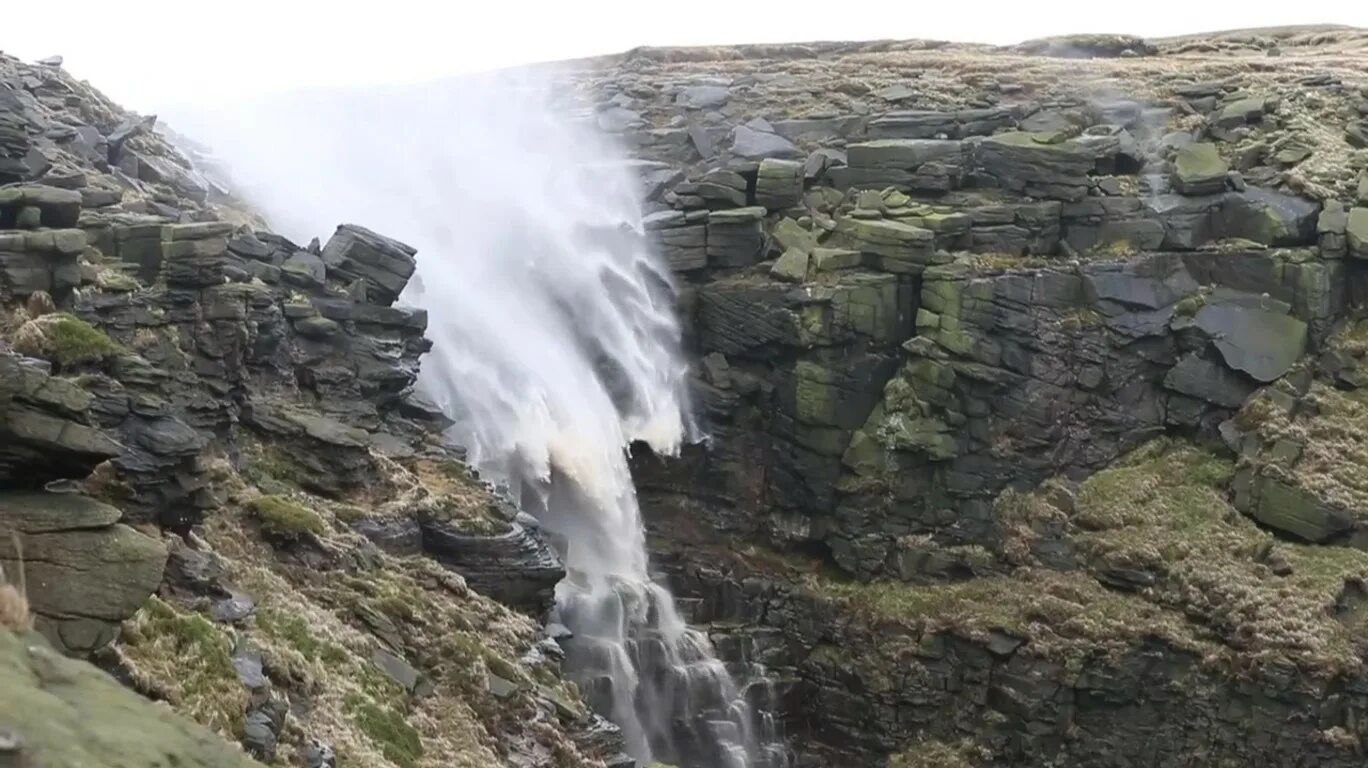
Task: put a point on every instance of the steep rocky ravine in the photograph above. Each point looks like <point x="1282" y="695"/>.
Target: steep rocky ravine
<point x="218" y="484"/>
<point x="1032" y="379"/>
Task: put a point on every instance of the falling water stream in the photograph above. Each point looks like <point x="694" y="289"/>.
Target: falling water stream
<point x="555" y="350"/>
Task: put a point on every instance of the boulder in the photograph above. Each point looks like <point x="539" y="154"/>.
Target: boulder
<point x="789" y="234"/>
<point x="703" y="96"/>
<point x="1356" y="232"/>
<point x="45" y="428"/>
<point x="752" y="144"/>
<point x="1242" y="112"/>
<point x="385" y="265"/>
<point x="64" y="712"/>
<point x="85" y="572"/>
<point x="1356" y="134"/>
<point x="834" y="259"/>
<point x="779" y="184"/>
<point x="905" y="154"/>
<point x="790" y="267"/>
<point x="1214" y="383"/>
<point x="1332" y="227"/>
<point x="1037" y="164"/>
<point x="1298" y="512"/>
<point x="926" y="124"/>
<point x="735" y="237"/>
<point x="721" y="188"/>
<point x="1199" y="170"/>
<point x="515" y="566"/>
<point x="682" y="244"/>
<point x="1254" y="335"/>
<point x="898" y="247"/>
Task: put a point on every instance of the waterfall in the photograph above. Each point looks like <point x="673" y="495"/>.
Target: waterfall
<point x="556" y="349"/>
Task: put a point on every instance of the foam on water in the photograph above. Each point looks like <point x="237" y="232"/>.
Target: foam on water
<point x="556" y="348"/>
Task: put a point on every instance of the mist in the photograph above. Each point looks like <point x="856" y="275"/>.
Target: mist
<point x="556" y="347"/>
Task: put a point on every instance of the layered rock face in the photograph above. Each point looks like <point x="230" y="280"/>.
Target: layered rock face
<point x="217" y="482"/>
<point x="1011" y="401"/>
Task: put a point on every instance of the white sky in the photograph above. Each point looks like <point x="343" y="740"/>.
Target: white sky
<point x="148" y="54"/>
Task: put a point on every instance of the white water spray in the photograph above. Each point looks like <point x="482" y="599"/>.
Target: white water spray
<point x="556" y="348"/>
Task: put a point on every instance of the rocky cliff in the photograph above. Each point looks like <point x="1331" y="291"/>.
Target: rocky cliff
<point x="1031" y="378"/>
<point x="220" y="486"/>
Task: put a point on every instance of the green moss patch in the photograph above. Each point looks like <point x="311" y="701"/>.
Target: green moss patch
<point x="279" y="516"/>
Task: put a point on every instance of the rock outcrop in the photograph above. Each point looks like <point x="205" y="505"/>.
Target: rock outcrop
<point x="219" y="484"/>
<point x="57" y="711"/>
<point x="1030" y="365"/>
<point x="1032" y="378"/>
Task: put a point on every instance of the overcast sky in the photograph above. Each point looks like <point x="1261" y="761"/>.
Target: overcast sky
<point x="153" y="53"/>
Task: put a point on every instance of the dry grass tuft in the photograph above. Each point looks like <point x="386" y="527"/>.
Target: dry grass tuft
<point x="15" y="614"/>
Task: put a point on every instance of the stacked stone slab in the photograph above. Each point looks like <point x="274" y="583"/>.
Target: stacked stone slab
<point x="892" y="245"/>
<point x="1199" y="170"/>
<point x="680" y="238"/>
<point x="779" y="184"/>
<point x="1356" y="232"/>
<point x="919" y="165"/>
<point x="383" y="265"/>
<point x="717" y="189"/>
<point x="928" y="124"/>
<point x="1038" y="164"/>
<point x="735" y="237"/>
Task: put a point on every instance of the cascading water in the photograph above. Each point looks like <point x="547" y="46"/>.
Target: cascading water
<point x="556" y="349"/>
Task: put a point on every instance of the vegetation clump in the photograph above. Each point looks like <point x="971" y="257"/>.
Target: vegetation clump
<point x="284" y="518"/>
<point x="65" y="339"/>
<point x="937" y="754"/>
<point x="398" y="741"/>
<point x="187" y="660"/>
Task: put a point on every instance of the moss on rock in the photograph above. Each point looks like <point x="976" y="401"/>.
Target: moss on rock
<point x="68" y="713"/>
<point x="282" y="517"/>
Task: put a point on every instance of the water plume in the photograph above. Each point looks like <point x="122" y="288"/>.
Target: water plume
<point x="556" y="348"/>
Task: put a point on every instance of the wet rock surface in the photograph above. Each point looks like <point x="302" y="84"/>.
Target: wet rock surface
<point x="218" y="483"/>
<point x="935" y="392"/>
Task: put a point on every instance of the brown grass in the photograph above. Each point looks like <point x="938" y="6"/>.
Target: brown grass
<point x="14" y="606"/>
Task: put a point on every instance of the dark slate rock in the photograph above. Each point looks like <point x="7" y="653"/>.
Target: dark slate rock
<point x="1254" y="336"/>
<point x="1212" y="382"/>
<point x="396" y="669"/>
<point x="1037" y="164"/>
<point x="400" y="536"/>
<point x="517" y="567"/>
<point x="703" y="96"/>
<point x="384" y="264"/>
<point x="56" y="207"/>
<point x="259" y="736"/>
<point x="748" y="143"/>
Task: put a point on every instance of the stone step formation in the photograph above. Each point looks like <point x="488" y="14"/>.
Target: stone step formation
<point x="1052" y="266"/>
<point x="221" y="486"/>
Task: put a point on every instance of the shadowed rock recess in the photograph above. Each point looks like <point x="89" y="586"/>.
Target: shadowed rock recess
<point x="1035" y="382"/>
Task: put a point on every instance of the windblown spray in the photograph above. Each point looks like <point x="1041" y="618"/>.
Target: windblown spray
<point x="556" y="349"/>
